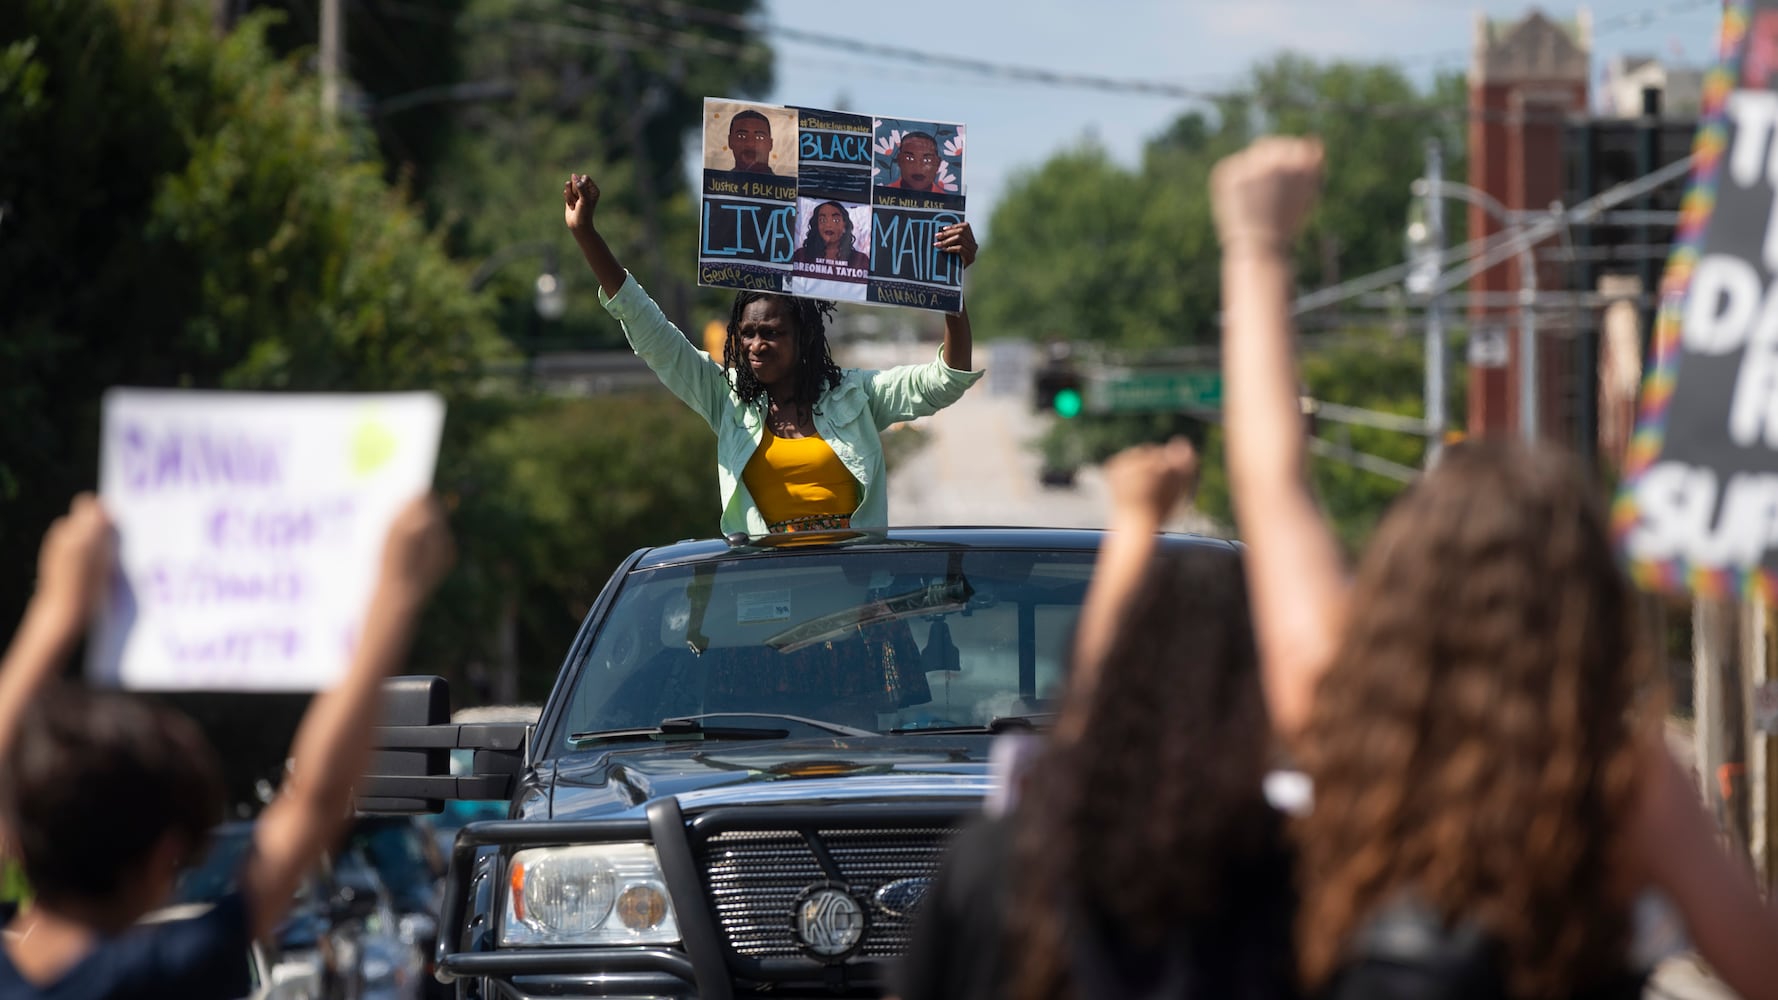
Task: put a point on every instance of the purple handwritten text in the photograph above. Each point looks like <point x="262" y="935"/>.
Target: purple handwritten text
<point x="197" y="458"/>
<point x="200" y="583"/>
<point x="237" y="645"/>
<point x="233" y="526"/>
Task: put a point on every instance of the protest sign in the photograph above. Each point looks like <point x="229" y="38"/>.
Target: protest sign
<point x="1699" y="503"/>
<point x="850" y="215"/>
<point x="250" y="531"/>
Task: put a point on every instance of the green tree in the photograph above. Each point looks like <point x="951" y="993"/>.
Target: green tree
<point x="611" y="89"/>
<point x="1061" y="263"/>
<point x="549" y="497"/>
<point x="482" y="107"/>
<point x="177" y="213"/>
<point x="1086" y="249"/>
<point x="1375" y="124"/>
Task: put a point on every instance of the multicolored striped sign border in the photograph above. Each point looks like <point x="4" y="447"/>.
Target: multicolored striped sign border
<point x="1657" y="388"/>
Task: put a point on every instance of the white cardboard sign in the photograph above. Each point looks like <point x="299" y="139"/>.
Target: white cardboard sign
<point x="250" y="531"/>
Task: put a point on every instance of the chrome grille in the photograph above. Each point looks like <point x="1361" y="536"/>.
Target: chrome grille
<point x="754" y="876"/>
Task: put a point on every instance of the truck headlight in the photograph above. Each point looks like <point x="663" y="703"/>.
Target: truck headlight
<point x="588" y="894"/>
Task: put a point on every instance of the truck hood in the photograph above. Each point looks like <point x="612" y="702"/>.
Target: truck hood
<point x="622" y="781"/>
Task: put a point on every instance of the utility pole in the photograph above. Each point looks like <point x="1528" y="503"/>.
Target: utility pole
<point x="1528" y="343"/>
<point x="1435" y="312"/>
<point x="1718" y="705"/>
<point x="333" y="44"/>
<point x="1762" y="754"/>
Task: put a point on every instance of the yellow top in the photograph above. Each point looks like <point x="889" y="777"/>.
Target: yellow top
<point x="796" y="478"/>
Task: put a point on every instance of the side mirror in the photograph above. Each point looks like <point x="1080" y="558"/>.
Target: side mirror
<point x="408" y="703"/>
<point x="410" y="769"/>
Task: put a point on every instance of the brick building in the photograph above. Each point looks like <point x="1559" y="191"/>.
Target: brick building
<point x="1527" y="80"/>
<point x="1534" y="141"/>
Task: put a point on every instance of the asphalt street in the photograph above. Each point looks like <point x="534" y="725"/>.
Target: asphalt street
<point x="980" y="464"/>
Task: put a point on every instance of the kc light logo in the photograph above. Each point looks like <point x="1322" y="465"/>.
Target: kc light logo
<point x="828" y="922"/>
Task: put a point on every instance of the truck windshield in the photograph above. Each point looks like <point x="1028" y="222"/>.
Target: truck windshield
<point x="866" y="639"/>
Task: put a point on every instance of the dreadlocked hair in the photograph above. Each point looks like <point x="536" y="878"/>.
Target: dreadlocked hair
<point x="815" y="369"/>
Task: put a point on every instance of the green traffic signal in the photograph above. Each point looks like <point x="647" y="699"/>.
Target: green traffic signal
<point x="1068" y="403"/>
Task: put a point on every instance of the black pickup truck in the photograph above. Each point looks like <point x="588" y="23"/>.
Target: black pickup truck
<point x="750" y="763"/>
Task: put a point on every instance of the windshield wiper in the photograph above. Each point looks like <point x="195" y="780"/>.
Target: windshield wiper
<point x="826" y="727"/>
<point x="999" y="724"/>
<point x="692" y="728"/>
<point x="674" y="730"/>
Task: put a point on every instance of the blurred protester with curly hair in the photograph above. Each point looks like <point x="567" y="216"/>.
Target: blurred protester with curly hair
<point x="1491" y="794"/>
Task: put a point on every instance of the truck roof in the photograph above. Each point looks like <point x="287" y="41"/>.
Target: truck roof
<point x="898" y="539"/>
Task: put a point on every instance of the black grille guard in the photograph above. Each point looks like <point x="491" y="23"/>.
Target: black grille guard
<point x="703" y="963"/>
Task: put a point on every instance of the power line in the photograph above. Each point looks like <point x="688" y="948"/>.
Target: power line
<point x="1482" y="253"/>
<point x="625" y="35"/>
<point x="1586" y="210"/>
<point x="1608" y="25"/>
<point x="552" y="31"/>
<point x="1323" y="448"/>
<point x="1162" y="88"/>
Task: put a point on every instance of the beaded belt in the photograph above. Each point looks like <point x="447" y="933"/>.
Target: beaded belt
<point x="814" y="522"/>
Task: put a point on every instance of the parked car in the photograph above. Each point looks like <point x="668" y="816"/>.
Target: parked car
<point x="262" y="983"/>
<point x="340" y="941"/>
<point x="278" y="969"/>
<point x="365" y="931"/>
<point x="407" y="860"/>
<point x="750" y="763"/>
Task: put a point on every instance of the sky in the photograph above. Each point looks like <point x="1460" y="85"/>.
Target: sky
<point x="1200" y="44"/>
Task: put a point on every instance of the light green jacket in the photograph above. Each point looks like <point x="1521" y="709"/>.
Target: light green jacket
<point x="850" y="417"/>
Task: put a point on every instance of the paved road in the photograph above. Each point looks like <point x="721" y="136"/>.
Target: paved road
<point x="980" y="465"/>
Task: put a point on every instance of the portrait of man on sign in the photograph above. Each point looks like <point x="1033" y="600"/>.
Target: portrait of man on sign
<point x="923" y="157"/>
<point x="917" y="160"/>
<point x="750" y="140"/>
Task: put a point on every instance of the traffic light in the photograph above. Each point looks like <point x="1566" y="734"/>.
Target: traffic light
<point x="1058" y="390"/>
<point x="1068" y="402"/>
